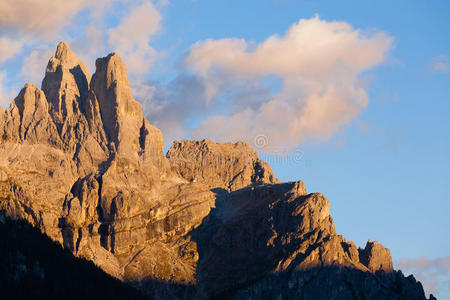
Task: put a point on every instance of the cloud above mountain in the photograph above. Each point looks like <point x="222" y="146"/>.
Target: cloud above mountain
<point x="131" y="38"/>
<point x="317" y="65"/>
<point x="9" y="48"/>
<point x="431" y="272"/>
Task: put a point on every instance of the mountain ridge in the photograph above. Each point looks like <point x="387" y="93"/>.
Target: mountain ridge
<point x="79" y="161"/>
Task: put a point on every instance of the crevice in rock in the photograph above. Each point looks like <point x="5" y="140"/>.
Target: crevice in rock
<point x="104" y="233"/>
<point x="82" y="84"/>
<point x="80" y="236"/>
<point x="103" y="228"/>
<point x="99" y="204"/>
<point x="113" y="238"/>
<point x="143" y="132"/>
<point x="134" y="257"/>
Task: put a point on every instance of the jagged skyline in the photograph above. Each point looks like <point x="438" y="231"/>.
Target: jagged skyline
<point x="207" y="220"/>
<point x="390" y="132"/>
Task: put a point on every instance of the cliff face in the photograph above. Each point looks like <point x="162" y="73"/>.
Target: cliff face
<point x="35" y="267"/>
<point x="221" y="166"/>
<point x="80" y="162"/>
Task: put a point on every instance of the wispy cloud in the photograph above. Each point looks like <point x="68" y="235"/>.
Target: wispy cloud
<point x="3" y="98"/>
<point x="34" y="64"/>
<point x="9" y="47"/>
<point x="6" y="91"/>
<point x="131" y="38"/>
<point x="440" y="63"/>
<point x="433" y="273"/>
<point x="171" y="106"/>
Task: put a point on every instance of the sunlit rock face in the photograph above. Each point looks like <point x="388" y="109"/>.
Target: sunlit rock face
<point x="223" y="166"/>
<point x="79" y="161"/>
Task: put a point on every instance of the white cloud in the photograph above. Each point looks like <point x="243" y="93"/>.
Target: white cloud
<point x="3" y="98"/>
<point x="6" y="92"/>
<point x="34" y="65"/>
<point x="318" y="63"/>
<point x="433" y="274"/>
<point x="170" y="106"/>
<point x="9" y="48"/>
<point x="45" y="17"/>
<point x="440" y="63"/>
<point x="163" y="2"/>
<point x="131" y="38"/>
<point x="91" y="45"/>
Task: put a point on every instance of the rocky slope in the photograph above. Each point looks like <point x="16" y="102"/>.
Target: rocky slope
<point x="80" y="162"/>
<point x="34" y="267"/>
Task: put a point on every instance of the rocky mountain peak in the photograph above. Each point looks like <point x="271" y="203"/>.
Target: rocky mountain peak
<point x="27" y="118"/>
<point x="66" y="85"/>
<point x="79" y="161"/>
<point x="93" y="120"/>
<point x="121" y="114"/>
<point x="65" y="55"/>
<point x="30" y="102"/>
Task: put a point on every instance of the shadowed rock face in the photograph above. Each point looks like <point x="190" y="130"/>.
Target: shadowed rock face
<point x="34" y="267"/>
<point x="80" y="162"/>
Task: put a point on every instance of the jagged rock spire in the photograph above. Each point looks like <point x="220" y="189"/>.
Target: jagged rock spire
<point x="121" y="115"/>
<point x="65" y="55"/>
<point x="28" y="118"/>
<point x="93" y="121"/>
<point x="66" y="84"/>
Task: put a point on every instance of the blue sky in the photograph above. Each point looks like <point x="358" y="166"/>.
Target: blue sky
<point x="382" y="161"/>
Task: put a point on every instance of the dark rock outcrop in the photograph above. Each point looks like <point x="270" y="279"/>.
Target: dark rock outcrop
<point x="35" y="267"/>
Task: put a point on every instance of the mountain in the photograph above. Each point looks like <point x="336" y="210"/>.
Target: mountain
<point x="79" y="162"/>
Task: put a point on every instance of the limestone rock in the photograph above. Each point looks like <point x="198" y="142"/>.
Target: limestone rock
<point x="282" y="243"/>
<point x="27" y="118"/>
<point x="375" y="257"/>
<point x="38" y="178"/>
<point x="121" y="115"/>
<point x="227" y="166"/>
<point x="66" y="85"/>
<point x="2" y="122"/>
